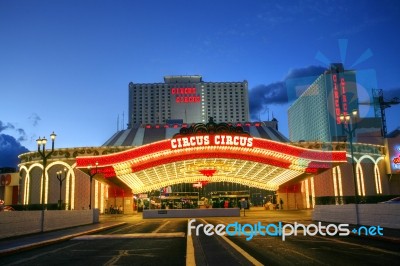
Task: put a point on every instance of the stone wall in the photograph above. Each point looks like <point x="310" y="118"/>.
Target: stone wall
<point x="384" y="215"/>
<point x="16" y="223"/>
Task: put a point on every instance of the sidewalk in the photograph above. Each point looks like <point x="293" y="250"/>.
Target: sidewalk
<point x="20" y="243"/>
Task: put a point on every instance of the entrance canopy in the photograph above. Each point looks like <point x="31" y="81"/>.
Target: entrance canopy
<point x="200" y="156"/>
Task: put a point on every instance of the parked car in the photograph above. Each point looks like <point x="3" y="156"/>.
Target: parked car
<point x="6" y="208"/>
<point x="392" y="201"/>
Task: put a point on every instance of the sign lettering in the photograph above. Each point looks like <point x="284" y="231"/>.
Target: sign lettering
<point x="185" y="95"/>
<point x="339" y="92"/>
<point x="211" y="140"/>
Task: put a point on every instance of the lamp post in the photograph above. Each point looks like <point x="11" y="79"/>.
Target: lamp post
<point x="91" y="175"/>
<point x="42" y="143"/>
<point x="346" y="119"/>
<point x="61" y="179"/>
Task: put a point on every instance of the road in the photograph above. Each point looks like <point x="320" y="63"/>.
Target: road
<point x="315" y="250"/>
<point x="164" y="242"/>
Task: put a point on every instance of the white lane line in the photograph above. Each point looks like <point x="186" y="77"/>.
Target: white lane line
<point x="161" y="227"/>
<point x="136" y="235"/>
<point x="190" y="257"/>
<point x="239" y="249"/>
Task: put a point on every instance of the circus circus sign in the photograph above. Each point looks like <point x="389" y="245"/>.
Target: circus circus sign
<point x="212" y="140"/>
<point x="211" y="134"/>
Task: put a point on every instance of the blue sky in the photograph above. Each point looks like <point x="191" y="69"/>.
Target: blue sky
<point x="65" y="65"/>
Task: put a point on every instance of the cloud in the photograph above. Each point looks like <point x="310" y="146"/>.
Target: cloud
<point x="389" y="94"/>
<point x="282" y="92"/>
<point x="10" y="148"/>
<point x="35" y="119"/>
<point x="8" y="126"/>
<point x="4" y="126"/>
<point x="263" y="95"/>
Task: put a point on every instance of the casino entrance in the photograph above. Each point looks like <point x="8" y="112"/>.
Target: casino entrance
<point x="204" y="195"/>
<point x="209" y="163"/>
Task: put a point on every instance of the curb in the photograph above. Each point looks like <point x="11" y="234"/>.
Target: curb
<point x="43" y="243"/>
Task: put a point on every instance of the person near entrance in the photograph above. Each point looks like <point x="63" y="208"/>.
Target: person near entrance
<point x="243" y="205"/>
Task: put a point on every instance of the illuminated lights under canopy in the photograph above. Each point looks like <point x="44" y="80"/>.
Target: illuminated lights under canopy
<point x="207" y="172"/>
<point x="266" y="165"/>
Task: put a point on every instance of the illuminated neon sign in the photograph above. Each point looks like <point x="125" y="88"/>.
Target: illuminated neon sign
<point x="214" y="140"/>
<point x="395" y="158"/>
<point x="344" y="97"/>
<point x="183" y="91"/>
<point x="185" y="95"/>
<point x="337" y="94"/>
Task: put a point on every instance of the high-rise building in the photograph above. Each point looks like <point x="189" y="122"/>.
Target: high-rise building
<point x="315" y="115"/>
<point x="187" y="99"/>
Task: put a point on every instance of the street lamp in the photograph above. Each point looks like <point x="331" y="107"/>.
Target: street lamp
<point x="346" y="120"/>
<point x="42" y="143"/>
<point x="91" y="178"/>
<point x="61" y="179"/>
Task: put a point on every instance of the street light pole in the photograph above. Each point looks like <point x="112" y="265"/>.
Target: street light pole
<point x="42" y="143"/>
<point x="61" y="179"/>
<point x="91" y="175"/>
<point x="346" y="120"/>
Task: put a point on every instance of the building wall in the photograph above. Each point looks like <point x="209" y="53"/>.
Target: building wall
<point x="82" y="191"/>
<point x="189" y="99"/>
<point x="34" y="187"/>
<point x="308" y="115"/>
<point x="338" y="182"/>
<point x="347" y="179"/>
<point x="323" y="184"/>
<point x="315" y="114"/>
<point x="9" y="187"/>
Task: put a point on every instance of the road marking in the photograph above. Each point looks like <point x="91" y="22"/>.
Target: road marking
<point x="190" y="255"/>
<point x="239" y="249"/>
<point x="126" y="227"/>
<point x="161" y="227"/>
<point x="130" y="236"/>
<point x="131" y="253"/>
<point x="114" y="259"/>
<point x="41" y="254"/>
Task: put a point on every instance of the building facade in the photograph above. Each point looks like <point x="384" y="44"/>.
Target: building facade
<point x="315" y="115"/>
<point x="168" y="143"/>
<point x="187" y="99"/>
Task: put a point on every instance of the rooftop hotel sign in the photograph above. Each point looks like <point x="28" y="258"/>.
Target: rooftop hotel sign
<point x="185" y="95"/>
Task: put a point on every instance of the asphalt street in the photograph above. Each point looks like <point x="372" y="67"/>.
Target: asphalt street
<point x="131" y="240"/>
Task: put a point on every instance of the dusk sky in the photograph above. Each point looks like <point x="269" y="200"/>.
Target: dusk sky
<point x="65" y="65"/>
